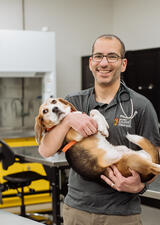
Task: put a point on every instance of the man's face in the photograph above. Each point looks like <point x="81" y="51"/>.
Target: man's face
<point x="106" y="73"/>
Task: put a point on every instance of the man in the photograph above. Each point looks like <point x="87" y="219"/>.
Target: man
<point x="117" y="202"/>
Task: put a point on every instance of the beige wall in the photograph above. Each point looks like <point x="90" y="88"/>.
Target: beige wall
<point x="137" y="22"/>
<point x="10" y="14"/>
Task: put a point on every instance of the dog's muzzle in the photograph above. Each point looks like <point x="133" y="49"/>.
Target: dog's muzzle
<point x="57" y="111"/>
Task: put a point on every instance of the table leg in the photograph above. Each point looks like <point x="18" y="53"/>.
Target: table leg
<point x="53" y="176"/>
<point x="55" y="190"/>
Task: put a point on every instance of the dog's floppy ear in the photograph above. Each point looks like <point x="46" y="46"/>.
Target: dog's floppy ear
<point x="39" y="129"/>
<point x="67" y="103"/>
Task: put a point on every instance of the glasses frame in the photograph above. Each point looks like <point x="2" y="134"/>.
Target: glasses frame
<point x="107" y="57"/>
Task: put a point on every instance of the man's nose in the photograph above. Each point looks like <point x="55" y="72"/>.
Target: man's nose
<point x="104" y="61"/>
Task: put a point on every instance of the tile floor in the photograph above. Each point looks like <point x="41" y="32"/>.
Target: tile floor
<point x="150" y="215"/>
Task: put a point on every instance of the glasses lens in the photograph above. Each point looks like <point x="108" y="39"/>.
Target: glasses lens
<point x="97" y="57"/>
<point x="112" y="58"/>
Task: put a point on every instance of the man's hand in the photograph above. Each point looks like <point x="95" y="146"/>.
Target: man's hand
<point x="130" y="184"/>
<point x="82" y="123"/>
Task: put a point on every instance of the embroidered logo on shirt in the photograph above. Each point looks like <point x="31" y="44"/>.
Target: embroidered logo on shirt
<point x="116" y="120"/>
<point x="124" y="122"/>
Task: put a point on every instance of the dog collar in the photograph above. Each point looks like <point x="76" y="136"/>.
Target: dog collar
<point x="48" y="129"/>
<point x="68" y="146"/>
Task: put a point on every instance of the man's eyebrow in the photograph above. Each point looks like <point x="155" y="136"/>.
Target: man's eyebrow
<point x="96" y="53"/>
<point x="110" y="53"/>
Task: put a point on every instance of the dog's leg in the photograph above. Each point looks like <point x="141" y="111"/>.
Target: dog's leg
<point x="142" y="165"/>
<point x="146" y="145"/>
<point x="101" y="121"/>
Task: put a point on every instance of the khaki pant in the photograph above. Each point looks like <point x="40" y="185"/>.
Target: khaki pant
<point x="73" y="216"/>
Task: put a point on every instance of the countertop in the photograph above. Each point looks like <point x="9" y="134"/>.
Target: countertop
<point x="31" y="154"/>
<point x="154" y="189"/>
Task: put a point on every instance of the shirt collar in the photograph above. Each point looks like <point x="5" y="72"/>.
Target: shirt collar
<point x="121" y="95"/>
<point x="93" y="101"/>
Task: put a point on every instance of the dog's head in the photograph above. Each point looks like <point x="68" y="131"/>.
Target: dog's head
<point x="50" y="114"/>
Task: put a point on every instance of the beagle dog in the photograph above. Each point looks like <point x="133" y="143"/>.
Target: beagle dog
<point x="92" y="155"/>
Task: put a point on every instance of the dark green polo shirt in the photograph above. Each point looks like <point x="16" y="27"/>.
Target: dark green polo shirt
<point x="128" y="112"/>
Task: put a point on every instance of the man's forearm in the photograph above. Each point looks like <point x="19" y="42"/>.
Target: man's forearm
<point x="52" y="141"/>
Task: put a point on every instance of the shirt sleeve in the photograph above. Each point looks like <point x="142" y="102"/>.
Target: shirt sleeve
<point x="75" y="101"/>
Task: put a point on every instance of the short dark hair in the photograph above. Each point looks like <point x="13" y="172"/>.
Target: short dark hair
<point x="111" y="36"/>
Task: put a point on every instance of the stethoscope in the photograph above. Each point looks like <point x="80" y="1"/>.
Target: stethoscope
<point x="126" y="90"/>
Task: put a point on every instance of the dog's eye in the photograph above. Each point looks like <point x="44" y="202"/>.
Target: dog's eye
<point x="45" y="111"/>
<point x="54" y="101"/>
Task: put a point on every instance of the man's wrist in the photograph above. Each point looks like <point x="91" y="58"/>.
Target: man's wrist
<point x="146" y="186"/>
<point x="67" y="120"/>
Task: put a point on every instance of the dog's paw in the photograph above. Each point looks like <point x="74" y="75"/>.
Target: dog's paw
<point x="101" y="121"/>
<point x="103" y="128"/>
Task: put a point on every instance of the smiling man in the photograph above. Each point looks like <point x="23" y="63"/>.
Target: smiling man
<point x="116" y="201"/>
<point x="106" y="63"/>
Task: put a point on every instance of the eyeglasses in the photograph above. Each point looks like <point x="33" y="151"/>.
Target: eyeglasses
<point x="111" y="58"/>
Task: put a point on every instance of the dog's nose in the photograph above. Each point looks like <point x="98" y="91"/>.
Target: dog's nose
<point x="55" y="110"/>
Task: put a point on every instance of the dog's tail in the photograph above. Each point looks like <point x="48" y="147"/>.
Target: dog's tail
<point x="146" y="145"/>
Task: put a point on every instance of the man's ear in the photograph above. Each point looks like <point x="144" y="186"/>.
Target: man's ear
<point x="124" y="65"/>
<point x="90" y="63"/>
